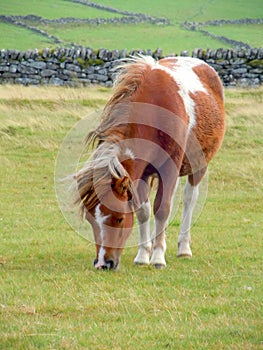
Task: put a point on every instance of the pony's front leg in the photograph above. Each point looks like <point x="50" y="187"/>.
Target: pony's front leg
<point x="162" y="208"/>
<point x="159" y="243"/>
<point x="190" y="197"/>
<point x="145" y="244"/>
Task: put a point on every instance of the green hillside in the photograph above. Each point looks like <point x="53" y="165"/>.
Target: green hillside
<point x="34" y="32"/>
<point x="193" y="10"/>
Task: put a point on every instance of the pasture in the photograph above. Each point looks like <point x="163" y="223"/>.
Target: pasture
<point x="51" y="296"/>
<point x="172" y="38"/>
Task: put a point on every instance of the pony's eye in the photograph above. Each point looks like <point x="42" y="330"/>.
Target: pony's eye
<point x="119" y="220"/>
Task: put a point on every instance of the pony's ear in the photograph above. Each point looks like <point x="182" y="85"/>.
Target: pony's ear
<point x="122" y="187"/>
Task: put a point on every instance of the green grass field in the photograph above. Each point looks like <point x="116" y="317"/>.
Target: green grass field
<point x="50" y="9"/>
<point x="50" y="295"/>
<point x="107" y="37"/>
<point x="191" y="10"/>
<point x="172" y="38"/>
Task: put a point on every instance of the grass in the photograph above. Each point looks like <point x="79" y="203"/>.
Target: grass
<point x="50" y="296"/>
<point x="51" y="9"/>
<point x="192" y="10"/>
<point x="172" y="39"/>
<point x="28" y="38"/>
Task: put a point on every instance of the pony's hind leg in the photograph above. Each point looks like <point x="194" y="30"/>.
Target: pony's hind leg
<point x="145" y="245"/>
<point x="190" y="196"/>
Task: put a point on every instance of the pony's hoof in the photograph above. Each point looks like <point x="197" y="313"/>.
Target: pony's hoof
<point x="184" y="255"/>
<point x="142" y="257"/>
<point x="184" y="250"/>
<point x="159" y="266"/>
<point x="141" y="263"/>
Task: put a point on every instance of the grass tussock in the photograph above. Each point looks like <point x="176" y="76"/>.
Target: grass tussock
<point x="50" y="295"/>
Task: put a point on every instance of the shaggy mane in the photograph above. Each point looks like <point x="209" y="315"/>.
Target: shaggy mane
<point x="129" y="79"/>
<point x="94" y="179"/>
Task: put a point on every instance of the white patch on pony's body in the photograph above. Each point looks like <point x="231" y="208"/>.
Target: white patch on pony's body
<point x="101" y="261"/>
<point x="128" y="152"/>
<point x="100" y="219"/>
<point x="187" y="81"/>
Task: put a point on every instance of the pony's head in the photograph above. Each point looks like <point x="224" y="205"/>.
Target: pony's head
<point x="107" y="200"/>
<point x="112" y="223"/>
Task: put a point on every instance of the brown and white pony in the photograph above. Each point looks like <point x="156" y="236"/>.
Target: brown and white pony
<point x="165" y="119"/>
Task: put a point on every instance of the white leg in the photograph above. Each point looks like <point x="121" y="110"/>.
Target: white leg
<point x="159" y="247"/>
<point x="173" y="197"/>
<point x="190" y="197"/>
<point x="162" y="209"/>
<point x="145" y="245"/>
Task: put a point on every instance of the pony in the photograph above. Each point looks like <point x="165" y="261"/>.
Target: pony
<point x="165" y="120"/>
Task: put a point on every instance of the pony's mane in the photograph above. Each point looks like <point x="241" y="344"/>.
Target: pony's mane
<point x="130" y="76"/>
<point x="95" y="178"/>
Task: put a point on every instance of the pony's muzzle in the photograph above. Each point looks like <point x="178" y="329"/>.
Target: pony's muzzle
<point x="106" y="265"/>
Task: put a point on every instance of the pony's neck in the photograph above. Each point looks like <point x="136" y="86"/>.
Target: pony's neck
<point x="134" y="168"/>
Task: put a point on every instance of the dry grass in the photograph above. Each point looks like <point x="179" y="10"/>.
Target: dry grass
<point x="11" y="92"/>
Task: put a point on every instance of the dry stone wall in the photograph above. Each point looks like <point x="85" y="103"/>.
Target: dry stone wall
<point x="199" y="27"/>
<point x="85" y="66"/>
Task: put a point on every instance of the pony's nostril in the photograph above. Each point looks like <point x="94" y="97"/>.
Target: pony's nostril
<point x="110" y="264"/>
<point x="95" y="261"/>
